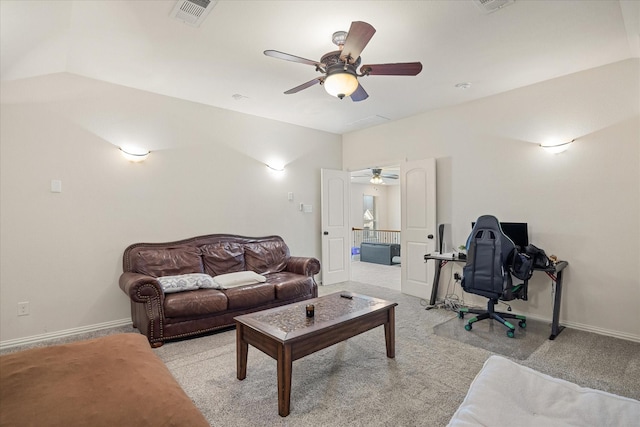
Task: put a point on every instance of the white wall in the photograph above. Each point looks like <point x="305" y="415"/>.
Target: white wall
<point x="387" y="205"/>
<point x="62" y="252"/>
<point x="206" y="174"/>
<point x="393" y="207"/>
<point x="582" y="205"/>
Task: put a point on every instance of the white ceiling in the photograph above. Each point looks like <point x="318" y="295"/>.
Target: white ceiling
<point x="221" y="63"/>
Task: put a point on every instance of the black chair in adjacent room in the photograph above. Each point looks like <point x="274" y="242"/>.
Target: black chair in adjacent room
<point x="486" y="273"/>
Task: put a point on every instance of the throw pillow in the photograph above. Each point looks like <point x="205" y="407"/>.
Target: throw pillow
<point x="186" y="282"/>
<point x="238" y="278"/>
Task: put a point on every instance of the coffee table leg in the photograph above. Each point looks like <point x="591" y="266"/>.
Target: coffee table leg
<point x="242" y="348"/>
<point x="284" y="379"/>
<point x="390" y="333"/>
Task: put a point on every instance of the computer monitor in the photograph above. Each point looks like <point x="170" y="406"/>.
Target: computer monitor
<point x="445" y="240"/>
<point x="517" y="231"/>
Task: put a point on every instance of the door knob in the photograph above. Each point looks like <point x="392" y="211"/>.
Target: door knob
<point x="326" y="233"/>
<point x="430" y="236"/>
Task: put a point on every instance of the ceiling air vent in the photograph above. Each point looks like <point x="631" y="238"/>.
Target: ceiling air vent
<point x="489" y="6"/>
<point x="192" y="12"/>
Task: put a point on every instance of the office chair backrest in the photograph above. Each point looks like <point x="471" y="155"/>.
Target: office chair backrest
<point x="488" y="251"/>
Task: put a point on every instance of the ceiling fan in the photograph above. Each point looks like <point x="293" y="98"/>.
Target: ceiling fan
<point x="339" y="68"/>
<point x="377" y="175"/>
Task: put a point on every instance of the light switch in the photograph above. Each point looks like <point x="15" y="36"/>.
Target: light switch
<point x="290" y="196"/>
<point x="307" y="208"/>
<point x="56" y="186"/>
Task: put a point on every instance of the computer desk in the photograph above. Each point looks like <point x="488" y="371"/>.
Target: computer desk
<point x="554" y="271"/>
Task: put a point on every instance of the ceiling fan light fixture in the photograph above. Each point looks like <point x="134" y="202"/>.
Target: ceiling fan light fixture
<point x="376" y="179"/>
<point x="339" y="68"/>
<point x="341" y="81"/>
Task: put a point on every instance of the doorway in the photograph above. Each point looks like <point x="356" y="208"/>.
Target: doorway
<point x="417" y="222"/>
<point x="375" y="218"/>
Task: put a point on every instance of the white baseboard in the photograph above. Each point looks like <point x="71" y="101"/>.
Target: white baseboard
<point x="601" y="331"/>
<point x="589" y="328"/>
<point x="62" y="334"/>
<point x="124" y="322"/>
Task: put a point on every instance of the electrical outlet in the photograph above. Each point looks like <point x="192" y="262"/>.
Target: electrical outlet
<point x="456" y="277"/>
<point x="23" y="308"/>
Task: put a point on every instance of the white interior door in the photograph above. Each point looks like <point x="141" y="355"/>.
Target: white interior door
<point x="336" y="236"/>
<point x="417" y="225"/>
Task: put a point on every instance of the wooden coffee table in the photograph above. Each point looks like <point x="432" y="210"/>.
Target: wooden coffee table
<point x="286" y="334"/>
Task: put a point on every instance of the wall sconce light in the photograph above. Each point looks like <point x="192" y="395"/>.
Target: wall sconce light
<point x="135" y="156"/>
<point x="557" y="148"/>
<point x="275" y="168"/>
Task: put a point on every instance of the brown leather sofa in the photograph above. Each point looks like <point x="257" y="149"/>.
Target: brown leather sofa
<point x="164" y="316"/>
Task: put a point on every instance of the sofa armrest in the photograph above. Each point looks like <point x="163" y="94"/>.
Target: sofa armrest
<point x="147" y="302"/>
<point x="140" y="287"/>
<point x="303" y="265"/>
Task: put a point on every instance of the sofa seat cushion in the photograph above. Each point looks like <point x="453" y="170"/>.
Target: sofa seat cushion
<point x="291" y="285"/>
<point x="195" y="303"/>
<point x="248" y="296"/>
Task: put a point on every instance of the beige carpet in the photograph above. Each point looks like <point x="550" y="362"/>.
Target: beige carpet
<point x="350" y="384"/>
<point x="354" y="384"/>
<point x="386" y="276"/>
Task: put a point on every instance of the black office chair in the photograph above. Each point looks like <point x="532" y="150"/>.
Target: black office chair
<point x="486" y="273"/>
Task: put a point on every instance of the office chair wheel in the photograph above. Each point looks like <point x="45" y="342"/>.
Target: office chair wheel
<point x="510" y="333"/>
<point x="460" y="315"/>
<point x="468" y="326"/>
<point x="522" y="324"/>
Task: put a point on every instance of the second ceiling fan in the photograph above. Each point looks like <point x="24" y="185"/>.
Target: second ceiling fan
<point x="339" y="68"/>
<point x="376" y="176"/>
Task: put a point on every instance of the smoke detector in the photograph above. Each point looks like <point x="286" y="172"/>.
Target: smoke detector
<point x="490" y="6"/>
<point x="192" y="12"/>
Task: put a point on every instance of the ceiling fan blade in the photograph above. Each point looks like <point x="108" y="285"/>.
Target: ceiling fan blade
<point x="304" y="85"/>
<point x="360" y="94"/>
<point x="401" y="69"/>
<point x="390" y="175"/>
<point x="287" y="57"/>
<point x="357" y="38"/>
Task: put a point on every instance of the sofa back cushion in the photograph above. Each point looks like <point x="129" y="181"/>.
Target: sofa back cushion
<point x="266" y="257"/>
<point x="170" y="261"/>
<point x="223" y="257"/>
<point x="213" y="254"/>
